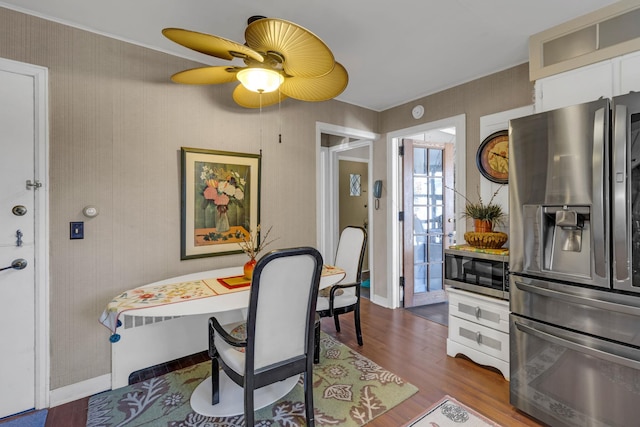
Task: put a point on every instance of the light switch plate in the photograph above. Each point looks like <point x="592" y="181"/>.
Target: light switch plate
<point x="76" y="230"/>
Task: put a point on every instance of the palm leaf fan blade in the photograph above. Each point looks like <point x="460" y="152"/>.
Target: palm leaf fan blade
<point x="211" y="45"/>
<point x="317" y="89"/>
<point x="206" y="75"/>
<point x="303" y="53"/>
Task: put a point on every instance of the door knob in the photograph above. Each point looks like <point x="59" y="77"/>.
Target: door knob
<point x="16" y="264"/>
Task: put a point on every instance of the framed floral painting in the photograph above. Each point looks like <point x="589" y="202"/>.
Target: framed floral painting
<point x="220" y="201"/>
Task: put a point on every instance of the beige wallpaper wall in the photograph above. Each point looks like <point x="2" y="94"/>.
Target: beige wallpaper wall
<point x="116" y="127"/>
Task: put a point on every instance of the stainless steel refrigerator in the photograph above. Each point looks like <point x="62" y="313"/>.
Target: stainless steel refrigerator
<point x="574" y="263"/>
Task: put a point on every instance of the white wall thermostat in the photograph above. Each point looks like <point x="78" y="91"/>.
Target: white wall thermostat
<point x="417" y="111"/>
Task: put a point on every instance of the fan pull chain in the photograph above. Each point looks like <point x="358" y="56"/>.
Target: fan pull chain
<point x="260" y="119"/>
<point x="279" y="116"/>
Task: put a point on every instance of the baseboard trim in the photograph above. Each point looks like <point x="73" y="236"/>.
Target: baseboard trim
<point x="384" y="302"/>
<point x="79" y="390"/>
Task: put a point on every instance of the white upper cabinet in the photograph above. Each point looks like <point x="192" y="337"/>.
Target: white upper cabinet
<point x="575" y="86"/>
<point x="630" y="73"/>
<point x="605" y="79"/>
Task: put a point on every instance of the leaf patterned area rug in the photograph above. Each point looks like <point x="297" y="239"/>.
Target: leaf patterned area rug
<point x="448" y="412"/>
<point x="349" y="390"/>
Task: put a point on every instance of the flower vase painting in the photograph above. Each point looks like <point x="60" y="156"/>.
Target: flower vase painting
<point x="220" y="201"/>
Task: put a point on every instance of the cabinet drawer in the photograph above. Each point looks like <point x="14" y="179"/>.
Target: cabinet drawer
<point x="486" y="311"/>
<point x="480" y="338"/>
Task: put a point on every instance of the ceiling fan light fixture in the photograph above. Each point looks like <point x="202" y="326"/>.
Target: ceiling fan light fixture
<point x="260" y="80"/>
<point x="283" y="60"/>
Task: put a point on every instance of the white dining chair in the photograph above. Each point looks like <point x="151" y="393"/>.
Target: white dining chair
<point x="344" y="297"/>
<point x="279" y="332"/>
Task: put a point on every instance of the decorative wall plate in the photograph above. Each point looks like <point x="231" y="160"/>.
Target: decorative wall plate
<point x="493" y="157"/>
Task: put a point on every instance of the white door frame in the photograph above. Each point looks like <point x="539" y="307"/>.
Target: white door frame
<point x="327" y="186"/>
<point x="41" y="211"/>
<point x="394" y="202"/>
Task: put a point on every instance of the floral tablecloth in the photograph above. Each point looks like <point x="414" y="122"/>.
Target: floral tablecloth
<point x="153" y="296"/>
<point x="172" y="293"/>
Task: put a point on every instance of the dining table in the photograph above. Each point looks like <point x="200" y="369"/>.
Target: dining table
<point x="168" y="319"/>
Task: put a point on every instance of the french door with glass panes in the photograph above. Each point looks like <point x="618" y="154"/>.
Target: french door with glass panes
<point x="427" y="169"/>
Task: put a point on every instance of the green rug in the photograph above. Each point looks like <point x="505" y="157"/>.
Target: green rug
<point x="349" y="390"/>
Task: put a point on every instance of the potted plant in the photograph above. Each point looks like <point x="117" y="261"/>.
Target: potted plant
<point x="485" y="217"/>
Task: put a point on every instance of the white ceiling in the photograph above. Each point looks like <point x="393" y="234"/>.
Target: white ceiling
<point x="395" y="51"/>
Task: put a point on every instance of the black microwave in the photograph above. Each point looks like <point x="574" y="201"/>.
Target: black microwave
<point x="483" y="273"/>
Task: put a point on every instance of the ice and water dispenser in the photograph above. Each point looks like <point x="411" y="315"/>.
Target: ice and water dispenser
<point x="558" y="240"/>
<point x="565" y="242"/>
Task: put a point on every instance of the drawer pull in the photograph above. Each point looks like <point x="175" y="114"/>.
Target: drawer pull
<point x="479" y="313"/>
<point x="484" y="341"/>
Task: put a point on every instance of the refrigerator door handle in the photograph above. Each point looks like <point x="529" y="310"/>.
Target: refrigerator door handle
<point x="620" y="241"/>
<point x="581" y="299"/>
<point x="599" y="163"/>
<point x="579" y="347"/>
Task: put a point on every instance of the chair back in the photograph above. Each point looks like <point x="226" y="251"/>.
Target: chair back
<point x="282" y="306"/>
<point x="350" y="253"/>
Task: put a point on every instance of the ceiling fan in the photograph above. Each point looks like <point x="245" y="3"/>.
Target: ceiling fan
<point x="282" y="60"/>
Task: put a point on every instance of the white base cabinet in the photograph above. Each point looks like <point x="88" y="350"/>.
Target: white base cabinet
<point x="479" y="329"/>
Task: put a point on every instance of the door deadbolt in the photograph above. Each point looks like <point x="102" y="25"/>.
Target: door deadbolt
<point x="19" y="210"/>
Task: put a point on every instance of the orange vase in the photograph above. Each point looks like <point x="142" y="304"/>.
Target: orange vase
<point x="483" y="226"/>
<point x="248" y="268"/>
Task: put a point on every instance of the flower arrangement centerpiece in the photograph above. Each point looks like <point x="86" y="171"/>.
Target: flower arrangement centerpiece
<point x="485" y="216"/>
<point x="221" y="188"/>
<point x="252" y="246"/>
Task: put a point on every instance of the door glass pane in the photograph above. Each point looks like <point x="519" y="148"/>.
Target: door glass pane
<point x="419" y="278"/>
<point x="435" y="249"/>
<point x="435" y="219"/>
<point x="435" y="162"/>
<point x="435" y="277"/>
<point x="435" y="191"/>
<point x="420" y="190"/>
<point x="419" y="161"/>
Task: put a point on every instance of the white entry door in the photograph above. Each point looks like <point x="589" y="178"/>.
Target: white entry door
<point x="20" y="111"/>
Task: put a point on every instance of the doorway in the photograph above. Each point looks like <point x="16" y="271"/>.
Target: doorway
<point x="337" y="144"/>
<point x="450" y="130"/>
<point x="428" y="222"/>
<point x="24" y="310"/>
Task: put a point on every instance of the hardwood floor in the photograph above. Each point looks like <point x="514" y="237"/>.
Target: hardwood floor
<point x="409" y="346"/>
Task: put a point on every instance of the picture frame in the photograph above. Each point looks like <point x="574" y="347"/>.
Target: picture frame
<point x="220" y="201"/>
<point x="492" y="157"/>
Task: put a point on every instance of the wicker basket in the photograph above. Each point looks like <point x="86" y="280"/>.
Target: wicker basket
<point x="492" y="240"/>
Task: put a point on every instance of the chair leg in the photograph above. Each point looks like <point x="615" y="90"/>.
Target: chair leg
<point x="337" y="322"/>
<point x="308" y="399"/>
<point x="316" y="347"/>
<point x="356" y="316"/>
<point x="249" y="420"/>
<point x="215" y="382"/>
